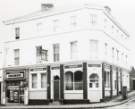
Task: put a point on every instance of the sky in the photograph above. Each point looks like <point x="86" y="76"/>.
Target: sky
<point x="122" y="10"/>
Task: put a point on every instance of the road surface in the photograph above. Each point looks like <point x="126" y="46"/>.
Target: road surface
<point x="128" y="105"/>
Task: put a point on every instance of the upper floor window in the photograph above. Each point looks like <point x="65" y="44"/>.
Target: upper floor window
<point x="55" y="24"/>
<point x="56" y="54"/>
<point x="16" y="56"/>
<point x="126" y="58"/>
<point x="117" y="51"/>
<point x="106" y="49"/>
<point x="39" y="26"/>
<point x="73" y="20"/>
<point x="74" y="49"/>
<point x="17" y="33"/>
<point x="112" y="52"/>
<point x="41" y="54"/>
<point x="93" y="48"/>
<point x="93" y="19"/>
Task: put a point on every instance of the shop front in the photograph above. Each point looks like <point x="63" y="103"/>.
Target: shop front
<point x="15" y="84"/>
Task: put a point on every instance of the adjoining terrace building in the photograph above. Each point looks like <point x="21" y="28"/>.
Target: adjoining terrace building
<point x="69" y="54"/>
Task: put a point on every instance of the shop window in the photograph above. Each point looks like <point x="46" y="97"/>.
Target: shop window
<point x="94" y="81"/>
<point x="73" y="81"/>
<point x="56" y="54"/>
<point x="16" y="56"/>
<point x="41" y="54"/>
<point x="43" y="80"/>
<point x="74" y="50"/>
<point x="78" y="84"/>
<point x="34" y="81"/>
<point x="69" y="81"/>
<point x="107" y="79"/>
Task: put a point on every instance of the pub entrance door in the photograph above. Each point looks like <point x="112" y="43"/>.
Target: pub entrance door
<point x="56" y="88"/>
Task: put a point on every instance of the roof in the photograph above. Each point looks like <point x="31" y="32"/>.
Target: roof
<point x="60" y="10"/>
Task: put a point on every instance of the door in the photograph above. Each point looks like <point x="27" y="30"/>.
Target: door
<point x="0" y="93"/>
<point x="133" y="84"/>
<point x="56" y="88"/>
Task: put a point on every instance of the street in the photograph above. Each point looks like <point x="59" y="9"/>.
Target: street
<point x="128" y="105"/>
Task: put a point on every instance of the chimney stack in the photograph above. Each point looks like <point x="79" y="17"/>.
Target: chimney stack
<point x="108" y="9"/>
<point x="46" y="6"/>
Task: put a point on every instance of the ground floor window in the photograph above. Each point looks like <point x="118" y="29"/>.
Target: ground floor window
<point x="38" y="80"/>
<point x="34" y="80"/>
<point x="43" y="80"/>
<point x="73" y="81"/>
<point x="107" y="79"/>
<point x="69" y="80"/>
<point x="94" y="81"/>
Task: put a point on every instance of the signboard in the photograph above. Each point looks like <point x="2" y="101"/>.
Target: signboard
<point x="73" y="66"/>
<point x="94" y="65"/>
<point x="55" y="68"/>
<point x="16" y="75"/>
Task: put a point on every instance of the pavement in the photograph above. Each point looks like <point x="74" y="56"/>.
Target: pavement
<point x="114" y="102"/>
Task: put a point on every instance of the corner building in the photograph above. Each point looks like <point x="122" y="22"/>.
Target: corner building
<point x="67" y="55"/>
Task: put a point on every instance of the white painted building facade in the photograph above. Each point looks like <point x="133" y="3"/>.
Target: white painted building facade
<point x="82" y="50"/>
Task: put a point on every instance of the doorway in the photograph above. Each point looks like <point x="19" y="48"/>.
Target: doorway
<point x="0" y="92"/>
<point x="14" y="92"/>
<point x="56" y="88"/>
<point x="133" y="84"/>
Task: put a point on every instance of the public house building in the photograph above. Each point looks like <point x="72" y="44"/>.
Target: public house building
<point x="65" y="54"/>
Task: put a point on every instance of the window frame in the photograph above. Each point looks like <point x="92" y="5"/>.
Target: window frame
<point x="17" y="33"/>
<point x="16" y="57"/>
<point x="56" y="52"/>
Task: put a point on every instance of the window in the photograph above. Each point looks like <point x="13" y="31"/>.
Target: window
<point x="107" y="79"/>
<point x="68" y="81"/>
<point x="106" y="49"/>
<point x="122" y="54"/>
<point x="17" y="33"/>
<point x="93" y="19"/>
<point x="117" y="51"/>
<point x="112" y="53"/>
<point x="16" y="56"/>
<point x="93" y="49"/>
<point x="78" y="83"/>
<point x="56" y="50"/>
<point x="34" y="81"/>
<point x="39" y="26"/>
<point x="73" y="81"/>
<point x="41" y="54"/>
<point x="94" y="81"/>
<point x="43" y="80"/>
<point x="55" y="24"/>
<point x="126" y="58"/>
<point x="74" y="50"/>
<point x="44" y="55"/>
<point x="73" y="21"/>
